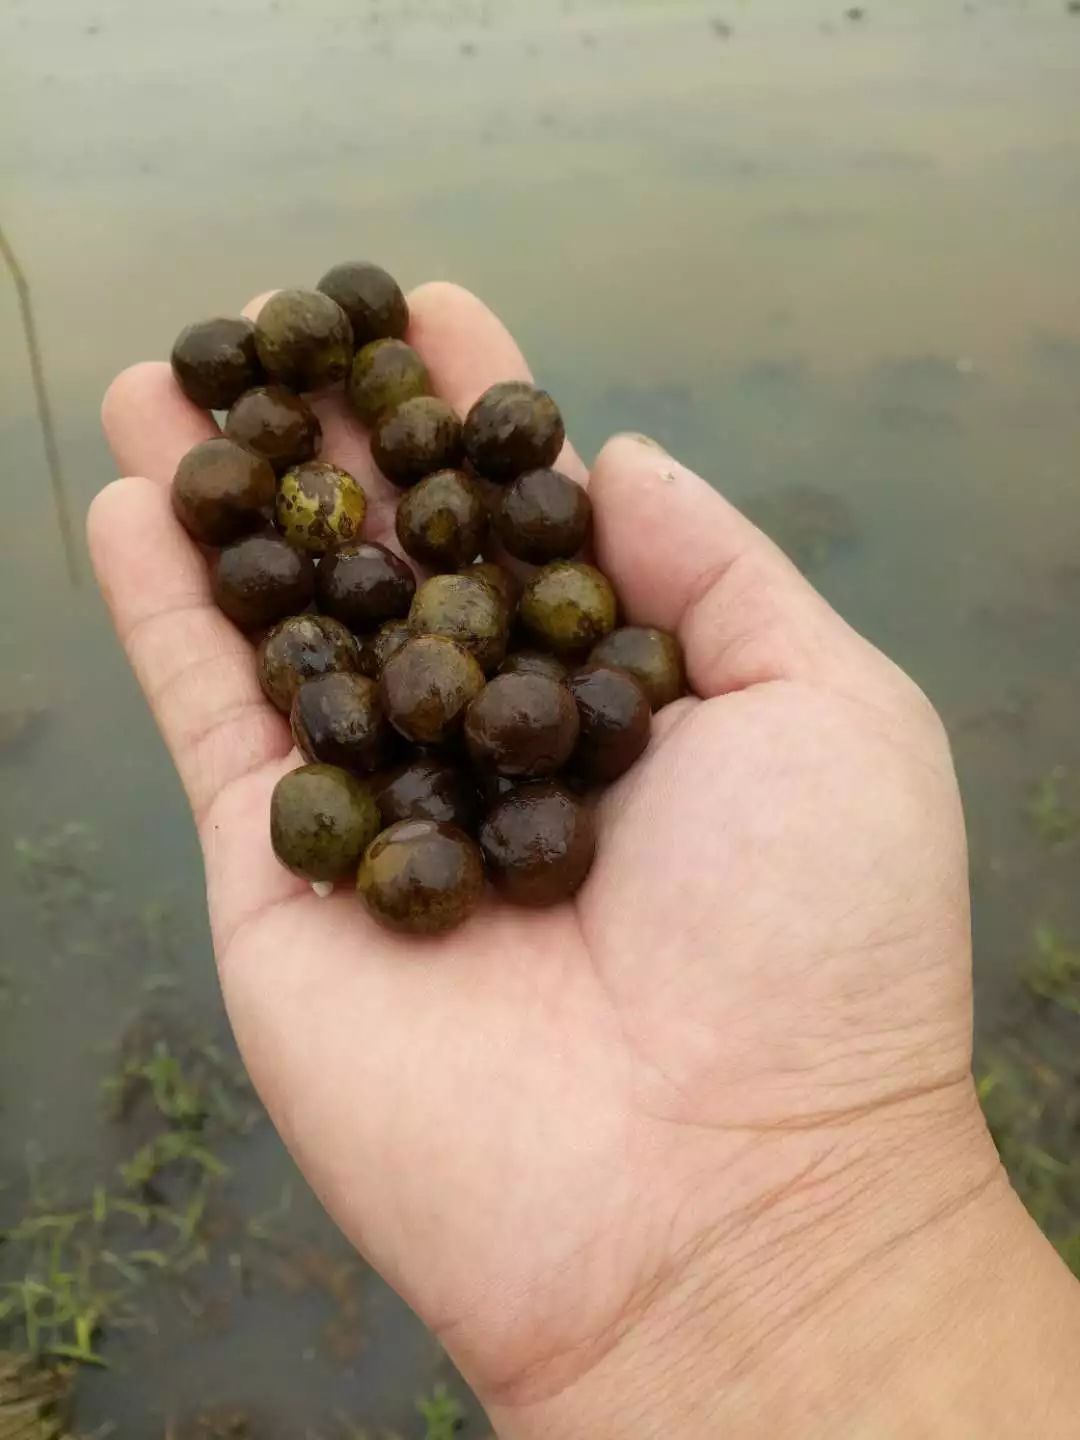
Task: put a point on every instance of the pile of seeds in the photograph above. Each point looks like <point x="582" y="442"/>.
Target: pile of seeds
<point x="455" y="726"/>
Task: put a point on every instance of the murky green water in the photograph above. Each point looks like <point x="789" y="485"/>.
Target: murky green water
<point x="832" y="264"/>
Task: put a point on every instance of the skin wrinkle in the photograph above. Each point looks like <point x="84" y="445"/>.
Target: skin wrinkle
<point x="258" y="776"/>
<point x="270" y="735"/>
<point x="242" y="651"/>
<point x="856" y="1268"/>
<point x="198" y="605"/>
<point x="716" y="1290"/>
<point x="523" y="1389"/>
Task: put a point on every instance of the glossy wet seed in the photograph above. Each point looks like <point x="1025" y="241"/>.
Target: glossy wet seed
<point x="464" y="609"/>
<point x="533" y="662"/>
<point x="418" y="438"/>
<point x="319" y="507"/>
<point x="215" y="361"/>
<point x="370" y="297"/>
<point x="653" y="657"/>
<point x="512" y="428"/>
<point x="391" y="672"/>
<point x="539" y="843"/>
<point x="615" y="720"/>
<point x="442" y="521"/>
<point x="524" y="726"/>
<point x="261" y="579"/>
<point x="567" y="607"/>
<point x="276" y="424"/>
<point x="427" y="789"/>
<point x="364" y="585"/>
<point x="221" y="491"/>
<point x="384" y="374"/>
<point x="338" y="719"/>
<point x="321" y="821"/>
<point x="543" y="516"/>
<point x="426" y="688"/>
<point x="298" y="648"/>
<point x="304" y="339"/>
<point x="421" y="877"/>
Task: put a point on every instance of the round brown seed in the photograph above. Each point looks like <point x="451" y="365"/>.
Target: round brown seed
<point x="543" y="516"/>
<point x="338" y="719"/>
<point x="215" y="361"/>
<point x="262" y="579"/>
<point x="539" y="843"/>
<point x="615" y="722"/>
<point x="421" y="877"/>
<point x="427" y="686"/>
<point x="522" y="725"/>
<point x="221" y="491"/>
<point x="442" y="521"/>
<point x="297" y="649"/>
<point x="276" y="424"/>
<point x="418" y="438"/>
<point x="364" y="585"/>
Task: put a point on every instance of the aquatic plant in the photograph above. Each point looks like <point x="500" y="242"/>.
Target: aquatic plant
<point x="1056" y="822"/>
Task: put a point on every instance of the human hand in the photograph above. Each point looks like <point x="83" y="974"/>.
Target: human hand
<point x="659" y="1155"/>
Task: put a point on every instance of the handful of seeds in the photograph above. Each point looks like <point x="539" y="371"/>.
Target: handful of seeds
<point x="457" y="720"/>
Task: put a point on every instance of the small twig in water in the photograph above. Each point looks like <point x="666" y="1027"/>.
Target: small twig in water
<point x="41" y="394"/>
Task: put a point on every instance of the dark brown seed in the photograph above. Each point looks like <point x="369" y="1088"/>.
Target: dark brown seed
<point x="512" y="428"/>
<point x="418" y="438"/>
<point x="543" y="516"/>
<point x="277" y="425"/>
<point x="442" y="521"/>
<point x="319" y="507"/>
<point x="465" y="609"/>
<point x="653" y="657"/>
<point x="539" y="843"/>
<point x="376" y="649"/>
<point x="221" y="491"/>
<point x="533" y="662"/>
<point x="338" y="719"/>
<point x="421" y="877"/>
<point x="215" y="361"/>
<point x="615" y="722"/>
<point x="427" y="789"/>
<point x="297" y="649"/>
<point x="384" y="375"/>
<point x="427" y="686"/>
<point x="321" y="821"/>
<point x="363" y="585"/>
<point x="522" y="725"/>
<point x="567" y="607"/>
<point x="304" y="339"/>
<point x="262" y="579"/>
<point x="371" y="299"/>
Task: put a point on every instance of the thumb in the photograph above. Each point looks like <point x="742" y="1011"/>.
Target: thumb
<point x="683" y="558"/>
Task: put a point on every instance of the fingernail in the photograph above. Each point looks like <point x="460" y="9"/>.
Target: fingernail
<point x="640" y="439"/>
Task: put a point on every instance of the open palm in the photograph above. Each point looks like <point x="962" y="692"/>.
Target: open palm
<point x="535" y="1126"/>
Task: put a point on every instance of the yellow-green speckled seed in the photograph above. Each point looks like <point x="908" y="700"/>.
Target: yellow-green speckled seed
<point x="319" y="507"/>
<point x="567" y="607"/>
